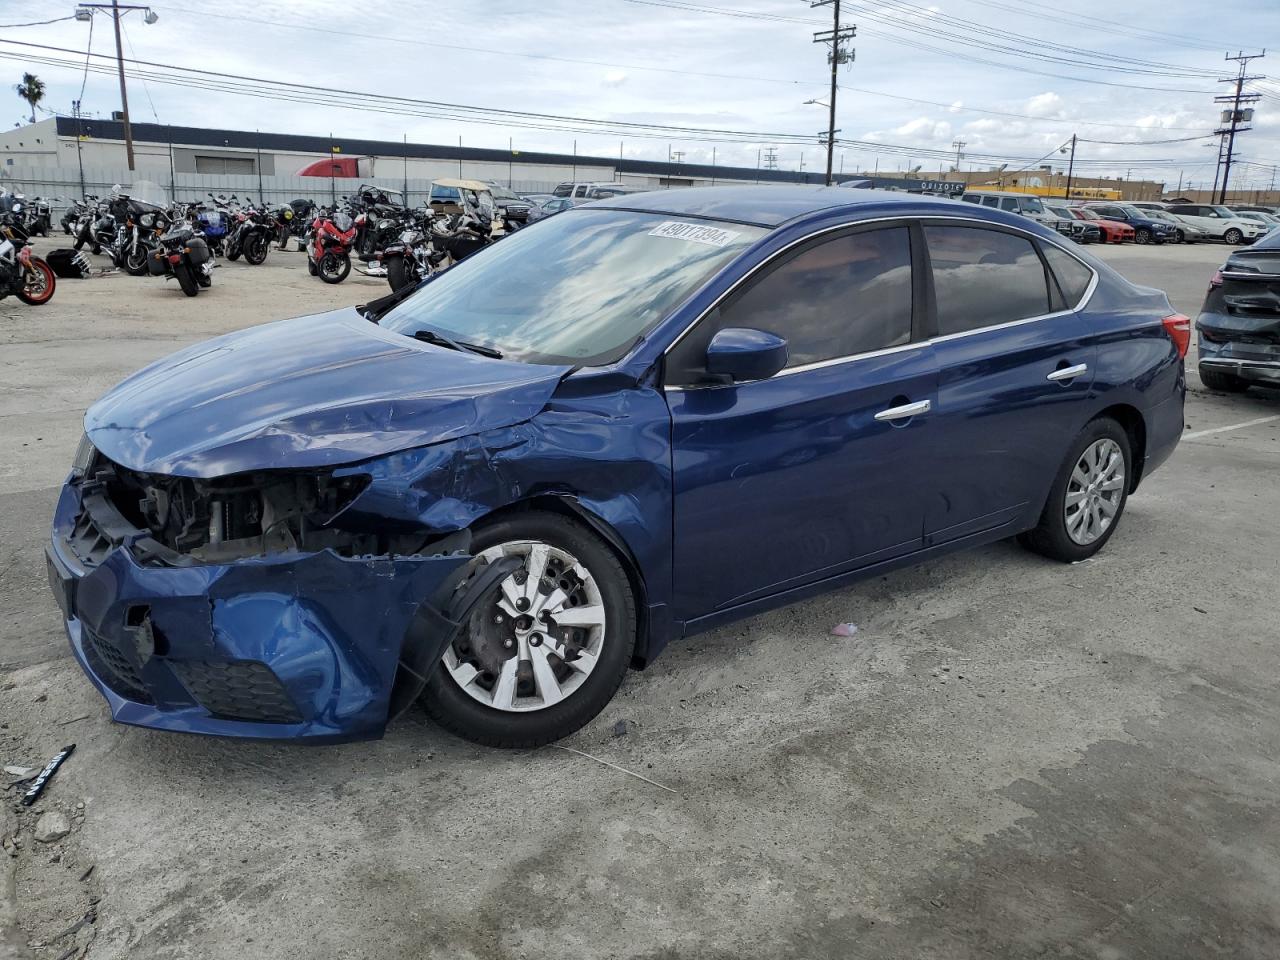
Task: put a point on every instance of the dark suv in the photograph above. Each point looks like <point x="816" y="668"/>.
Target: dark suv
<point x="1145" y="228"/>
<point x="1239" y="325"/>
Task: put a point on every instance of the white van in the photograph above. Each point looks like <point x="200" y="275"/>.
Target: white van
<point x="1026" y="204"/>
<point x="594" y="191"/>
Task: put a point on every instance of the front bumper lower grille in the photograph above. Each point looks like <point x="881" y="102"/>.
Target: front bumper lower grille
<point x="237" y="690"/>
<point x="115" y="666"/>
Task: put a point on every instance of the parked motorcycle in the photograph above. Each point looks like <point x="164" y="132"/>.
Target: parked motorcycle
<point x="251" y="235"/>
<point x="214" y="222"/>
<point x="333" y="234"/>
<point x="138" y="229"/>
<point x="39" y="216"/>
<point x="97" y="228"/>
<point x="183" y="254"/>
<point x="71" y="216"/>
<point x="30" y="278"/>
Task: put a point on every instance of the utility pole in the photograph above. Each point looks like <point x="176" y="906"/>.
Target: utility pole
<point x="75" y="109"/>
<point x="85" y="11"/>
<point x="959" y="145"/>
<point x="835" y="56"/>
<point x="1238" y="113"/>
<point x="771" y="158"/>
<point x="1071" y="166"/>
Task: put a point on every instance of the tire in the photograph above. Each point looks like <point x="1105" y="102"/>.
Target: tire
<point x="1051" y="536"/>
<point x="311" y="266"/>
<point x="1182" y="237"/>
<point x="135" y="261"/>
<point x="233" y="253"/>
<point x="48" y="283"/>
<point x="186" y="280"/>
<point x="1233" y="237"/>
<point x="464" y="713"/>
<point x="203" y="280"/>
<point x="1142" y="236"/>
<point x="255" y="249"/>
<point x="1222" y="382"/>
<point x="398" y="274"/>
<point x="333" y="268"/>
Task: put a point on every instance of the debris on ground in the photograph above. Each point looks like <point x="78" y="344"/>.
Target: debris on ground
<point x="844" y="630"/>
<point x="19" y="771"/>
<point x="53" y="825"/>
<point x="37" y="788"/>
<point x="622" y="728"/>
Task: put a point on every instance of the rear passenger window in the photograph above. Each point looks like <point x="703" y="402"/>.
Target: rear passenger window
<point x="984" y="277"/>
<point x="991" y="201"/>
<point x="1009" y="203"/>
<point x="1072" y="275"/>
<point x="834" y="298"/>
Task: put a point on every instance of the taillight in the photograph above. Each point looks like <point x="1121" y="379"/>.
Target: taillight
<point x="1179" y="329"/>
<point x="1215" y="280"/>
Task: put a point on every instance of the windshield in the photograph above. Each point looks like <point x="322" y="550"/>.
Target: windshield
<point x="579" y="288"/>
<point x="1134" y="212"/>
<point x="1224" y="212"/>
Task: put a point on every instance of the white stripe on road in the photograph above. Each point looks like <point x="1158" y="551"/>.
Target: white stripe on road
<point x="1195" y="434"/>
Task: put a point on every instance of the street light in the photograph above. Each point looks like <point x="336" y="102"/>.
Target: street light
<point x="84" y="13"/>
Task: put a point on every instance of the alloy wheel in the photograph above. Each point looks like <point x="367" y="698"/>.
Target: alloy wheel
<point x="538" y="639"/>
<point x="1095" y="491"/>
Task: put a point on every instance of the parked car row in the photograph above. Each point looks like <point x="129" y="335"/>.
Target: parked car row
<point x="1139" y="221"/>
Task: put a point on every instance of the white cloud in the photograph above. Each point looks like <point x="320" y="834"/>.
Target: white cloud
<point x="1045" y="105"/>
<point x="614" y="78"/>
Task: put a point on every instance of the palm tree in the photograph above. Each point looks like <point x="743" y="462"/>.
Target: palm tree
<point x="31" y="89"/>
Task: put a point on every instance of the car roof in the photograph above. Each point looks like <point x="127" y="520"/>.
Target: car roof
<point x="763" y="206"/>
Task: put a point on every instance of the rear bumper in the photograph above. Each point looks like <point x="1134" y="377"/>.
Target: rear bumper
<point x="1255" y="362"/>
<point x="282" y="647"/>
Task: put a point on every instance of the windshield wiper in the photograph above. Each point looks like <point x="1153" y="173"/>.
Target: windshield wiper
<point x="440" y="340"/>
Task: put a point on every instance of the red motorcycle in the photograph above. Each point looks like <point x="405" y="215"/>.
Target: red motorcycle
<point x="329" y="247"/>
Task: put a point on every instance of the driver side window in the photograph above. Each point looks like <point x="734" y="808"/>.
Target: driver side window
<point x="831" y="298"/>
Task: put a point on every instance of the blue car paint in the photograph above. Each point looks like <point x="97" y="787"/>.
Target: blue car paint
<point x="777" y="489"/>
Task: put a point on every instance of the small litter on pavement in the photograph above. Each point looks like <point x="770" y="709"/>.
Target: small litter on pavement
<point x="844" y="630"/>
<point x="19" y="771"/>
<point x="37" y="788"/>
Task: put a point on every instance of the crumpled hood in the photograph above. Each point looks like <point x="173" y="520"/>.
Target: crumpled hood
<point x="310" y="392"/>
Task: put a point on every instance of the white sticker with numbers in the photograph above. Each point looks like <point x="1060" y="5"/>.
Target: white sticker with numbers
<point x="695" y="233"/>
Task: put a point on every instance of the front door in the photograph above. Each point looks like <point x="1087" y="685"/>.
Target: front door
<point x="818" y="469"/>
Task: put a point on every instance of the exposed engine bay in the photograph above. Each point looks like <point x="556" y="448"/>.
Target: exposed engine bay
<point x="249" y="514"/>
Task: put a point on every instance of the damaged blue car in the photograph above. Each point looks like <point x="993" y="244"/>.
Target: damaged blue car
<point x="496" y="493"/>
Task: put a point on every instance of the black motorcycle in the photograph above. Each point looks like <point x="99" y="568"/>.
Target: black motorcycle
<point x="39" y="216"/>
<point x="97" y="228"/>
<point x="183" y="254"/>
<point x="71" y="216"/>
<point x="250" y="235"/>
<point x="139" y="226"/>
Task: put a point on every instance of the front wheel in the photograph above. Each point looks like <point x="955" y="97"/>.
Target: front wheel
<point x="333" y="267"/>
<point x="1142" y="236"/>
<point x="1233" y="237"/>
<point x="255" y="249"/>
<point x="135" y="261"/>
<point x="1088" y="495"/>
<point x="39" y="285"/>
<point x="186" y="279"/>
<point x="547" y="650"/>
<point x="1222" y="382"/>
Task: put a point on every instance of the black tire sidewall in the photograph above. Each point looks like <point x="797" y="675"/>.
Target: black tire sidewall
<point x="459" y="713"/>
<point x="342" y="273"/>
<point x="186" y="279"/>
<point x="1050" y="536"/>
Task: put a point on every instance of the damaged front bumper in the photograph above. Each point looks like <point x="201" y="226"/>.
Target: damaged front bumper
<point x="284" y="646"/>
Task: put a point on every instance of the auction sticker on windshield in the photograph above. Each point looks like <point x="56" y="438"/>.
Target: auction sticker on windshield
<point x="695" y="233"/>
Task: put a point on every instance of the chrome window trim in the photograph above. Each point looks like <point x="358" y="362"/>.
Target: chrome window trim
<point x="905" y="221"/>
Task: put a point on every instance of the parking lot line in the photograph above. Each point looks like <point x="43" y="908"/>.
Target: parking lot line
<point x="1195" y="434"/>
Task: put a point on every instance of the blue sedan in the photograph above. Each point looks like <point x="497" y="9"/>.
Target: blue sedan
<point x="651" y="415"/>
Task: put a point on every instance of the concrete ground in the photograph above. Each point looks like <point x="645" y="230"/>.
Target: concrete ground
<point x="1012" y="758"/>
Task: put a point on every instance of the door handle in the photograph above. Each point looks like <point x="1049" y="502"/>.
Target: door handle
<point x="905" y="411"/>
<point x="1069" y="373"/>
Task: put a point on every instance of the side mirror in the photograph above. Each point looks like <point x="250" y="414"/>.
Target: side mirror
<point x="737" y="354"/>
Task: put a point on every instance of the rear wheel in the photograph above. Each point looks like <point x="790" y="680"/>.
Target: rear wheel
<point x="40" y="284"/>
<point x="547" y="650"/>
<point x="1088" y="495"/>
<point x="1222" y="382"/>
<point x="186" y="280"/>
<point x="1233" y="236"/>
<point x="398" y="273"/>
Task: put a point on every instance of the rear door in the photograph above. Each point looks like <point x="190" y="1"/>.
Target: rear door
<point x="1015" y="366"/>
<point x="821" y="468"/>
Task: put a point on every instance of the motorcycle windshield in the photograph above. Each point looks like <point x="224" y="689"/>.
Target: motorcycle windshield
<point x="341" y="221"/>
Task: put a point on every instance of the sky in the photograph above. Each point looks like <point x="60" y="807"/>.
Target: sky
<point x="1012" y="79"/>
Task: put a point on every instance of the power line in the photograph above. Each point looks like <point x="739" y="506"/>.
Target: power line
<point x="369" y="102"/>
<point x="34" y="23"/>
